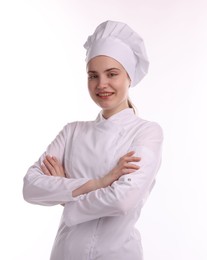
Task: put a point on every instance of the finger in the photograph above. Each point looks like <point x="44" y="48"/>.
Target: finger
<point x="129" y="159"/>
<point x="55" y="163"/>
<point x="129" y="153"/>
<point x="55" y="159"/>
<point x="57" y="166"/>
<point x="127" y="171"/>
<point x="49" y="166"/>
<point x="133" y="159"/>
<point x="131" y="166"/>
<point x="45" y="170"/>
<point x="51" y="160"/>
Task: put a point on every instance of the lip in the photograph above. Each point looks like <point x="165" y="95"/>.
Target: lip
<point x="104" y="94"/>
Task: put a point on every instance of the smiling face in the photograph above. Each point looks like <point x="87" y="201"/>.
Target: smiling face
<point x="108" y="84"/>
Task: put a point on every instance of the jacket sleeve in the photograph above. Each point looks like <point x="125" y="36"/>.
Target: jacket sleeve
<point x="51" y="190"/>
<point x="126" y="193"/>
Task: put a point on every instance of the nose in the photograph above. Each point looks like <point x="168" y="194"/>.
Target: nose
<point x="102" y="83"/>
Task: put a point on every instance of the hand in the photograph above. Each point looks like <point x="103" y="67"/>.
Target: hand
<point x="52" y="167"/>
<point x="124" y="166"/>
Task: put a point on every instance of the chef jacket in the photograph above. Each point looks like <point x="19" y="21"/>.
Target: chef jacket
<point x="99" y="225"/>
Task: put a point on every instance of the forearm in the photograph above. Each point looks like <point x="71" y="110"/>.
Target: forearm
<point x="121" y="196"/>
<point x="96" y="184"/>
<point x="87" y="187"/>
<point x="114" y="200"/>
<point x="49" y="190"/>
<point x="123" y="167"/>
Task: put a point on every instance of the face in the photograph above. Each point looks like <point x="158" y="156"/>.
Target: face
<point x="108" y="84"/>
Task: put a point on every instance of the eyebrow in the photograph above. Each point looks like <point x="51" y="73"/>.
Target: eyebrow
<point x="93" y="71"/>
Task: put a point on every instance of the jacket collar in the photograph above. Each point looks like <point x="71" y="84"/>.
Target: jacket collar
<point x="120" y="119"/>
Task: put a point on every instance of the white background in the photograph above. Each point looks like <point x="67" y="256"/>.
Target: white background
<point x="43" y="86"/>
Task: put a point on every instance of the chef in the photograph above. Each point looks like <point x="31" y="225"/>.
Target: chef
<point x="101" y="171"/>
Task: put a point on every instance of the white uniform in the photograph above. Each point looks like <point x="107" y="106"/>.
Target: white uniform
<point x="99" y="225"/>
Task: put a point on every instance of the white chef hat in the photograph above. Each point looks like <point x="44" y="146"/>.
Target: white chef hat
<point x="119" y="41"/>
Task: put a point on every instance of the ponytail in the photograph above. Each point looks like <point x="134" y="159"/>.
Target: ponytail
<point x="131" y="105"/>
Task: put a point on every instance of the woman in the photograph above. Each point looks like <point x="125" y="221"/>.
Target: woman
<point x="101" y="171"/>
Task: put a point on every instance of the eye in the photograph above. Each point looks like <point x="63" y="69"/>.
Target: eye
<point x="92" y="76"/>
<point x="112" y="74"/>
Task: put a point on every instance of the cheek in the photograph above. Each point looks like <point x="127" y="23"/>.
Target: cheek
<point x="128" y="82"/>
<point x="125" y="81"/>
<point x="91" y="89"/>
<point x="125" y="92"/>
<point x="125" y="86"/>
<point x="90" y="86"/>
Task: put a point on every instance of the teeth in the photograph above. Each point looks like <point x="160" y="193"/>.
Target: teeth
<point x="104" y="94"/>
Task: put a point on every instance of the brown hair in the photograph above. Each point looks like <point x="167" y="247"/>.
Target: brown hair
<point x="131" y="105"/>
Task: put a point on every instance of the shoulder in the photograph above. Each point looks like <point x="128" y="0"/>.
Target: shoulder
<point x="77" y="125"/>
<point x="148" y="129"/>
<point x="73" y="129"/>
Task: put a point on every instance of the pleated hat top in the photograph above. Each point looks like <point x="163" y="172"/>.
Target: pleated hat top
<point x="118" y="41"/>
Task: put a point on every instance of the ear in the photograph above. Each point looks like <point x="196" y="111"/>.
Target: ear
<point x="129" y="81"/>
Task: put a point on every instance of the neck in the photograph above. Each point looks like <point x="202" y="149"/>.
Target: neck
<point x="108" y="113"/>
